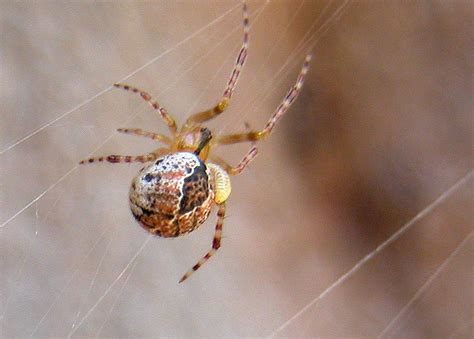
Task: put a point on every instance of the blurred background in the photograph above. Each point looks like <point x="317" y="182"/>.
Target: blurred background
<point x="379" y="142"/>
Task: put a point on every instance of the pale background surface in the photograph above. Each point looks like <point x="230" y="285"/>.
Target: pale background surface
<point x="381" y="130"/>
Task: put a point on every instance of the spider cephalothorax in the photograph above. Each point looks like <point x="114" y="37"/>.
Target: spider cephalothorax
<point x="175" y="192"/>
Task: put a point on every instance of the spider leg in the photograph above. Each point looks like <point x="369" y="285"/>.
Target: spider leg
<point x="151" y="135"/>
<point x="277" y="114"/>
<point x="216" y="243"/>
<point x="156" y="106"/>
<point x="251" y="154"/>
<point x="232" y="82"/>
<point x="127" y="158"/>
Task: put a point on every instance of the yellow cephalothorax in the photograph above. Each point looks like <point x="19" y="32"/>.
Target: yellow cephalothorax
<point x="175" y="192"/>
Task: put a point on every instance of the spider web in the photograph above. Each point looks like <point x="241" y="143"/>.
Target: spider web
<point x="355" y="219"/>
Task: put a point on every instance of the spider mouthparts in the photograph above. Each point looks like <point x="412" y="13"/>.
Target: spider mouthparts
<point x="206" y="136"/>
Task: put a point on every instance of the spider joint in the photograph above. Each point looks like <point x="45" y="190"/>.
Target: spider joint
<point x="221" y="106"/>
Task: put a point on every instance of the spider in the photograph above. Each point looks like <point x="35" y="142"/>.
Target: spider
<point x="174" y="193"/>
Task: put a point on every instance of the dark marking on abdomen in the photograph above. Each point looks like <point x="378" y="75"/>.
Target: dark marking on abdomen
<point x="195" y="189"/>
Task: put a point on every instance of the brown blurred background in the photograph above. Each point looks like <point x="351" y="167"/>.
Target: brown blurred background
<point x="381" y="130"/>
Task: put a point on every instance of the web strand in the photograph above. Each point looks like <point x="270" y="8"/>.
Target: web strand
<point x="133" y="260"/>
<point x="117" y="298"/>
<point x="379" y="248"/>
<point x="107" y="291"/>
<point x="308" y="39"/>
<point x="169" y="50"/>
<point x="38" y="197"/>
<point x="269" y="54"/>
<point x="229" y="56"/>
<point x="311" y="41"/>
<point x="259" y="11"/>
<point x="426" y="284"/>
<point x="92" y="283"/>
<point x="76" y="271"/>
<point x="197" y="61"/>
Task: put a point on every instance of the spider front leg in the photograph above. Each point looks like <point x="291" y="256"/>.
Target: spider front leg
<point x="127" y="158"/>
<point x="156" y="106"/>
<point x="216" y="242"/>
<point x="276" y="116"/>
<point x="232" y="82"/>
<point x="251" y="154"/>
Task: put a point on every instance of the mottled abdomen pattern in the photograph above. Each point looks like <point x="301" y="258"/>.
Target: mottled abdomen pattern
<point x="173" y="195"/>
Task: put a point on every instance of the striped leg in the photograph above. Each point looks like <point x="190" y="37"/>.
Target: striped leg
<point x="240" y="61"/>
<point x="279" y="112"/>
<point x="216" y="243"/>
<point x="234" y="76"/>
<point x="251" y="154"/>
<point x="127" y="158"/>
<point x="142" y="133"/>
<point x="147" y="97"/>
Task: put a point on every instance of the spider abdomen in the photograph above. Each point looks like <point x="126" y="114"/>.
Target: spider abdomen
<point x="173" y="195"/>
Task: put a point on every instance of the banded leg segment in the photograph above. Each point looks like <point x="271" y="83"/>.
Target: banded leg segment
<point x="251" y="154"/>
<point x="232" y="82"/>
<point x="126" y="158"/>
<point x="276" y="116"/>
<point x="156" y="106"/>
<point x="216" y="243"/>
<point x="154" y="136"/>
<point x="242" y="56"/>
